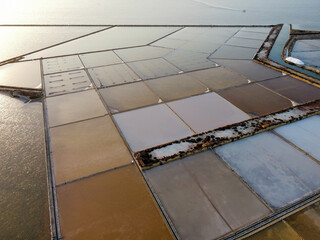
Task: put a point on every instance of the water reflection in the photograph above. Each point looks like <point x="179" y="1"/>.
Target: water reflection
<point x="160" y="12"/>
<point x="16" y="41"/>
<point x="23" y="192"/>
<point x="275" y="53"/>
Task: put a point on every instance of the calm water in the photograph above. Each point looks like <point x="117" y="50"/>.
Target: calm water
<point x="275" y="53"/>
<point x="160" y="12"/>
<point x="23" y="188"/>
<point x="23" y="182"/>
<point x="15" y="41"/>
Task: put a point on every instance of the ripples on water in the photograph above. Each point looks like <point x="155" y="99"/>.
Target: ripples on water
<point x="23" y="181"/>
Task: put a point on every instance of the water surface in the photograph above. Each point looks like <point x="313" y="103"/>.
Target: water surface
<point x="23" y="192"/>
<point x="160" y="12"/>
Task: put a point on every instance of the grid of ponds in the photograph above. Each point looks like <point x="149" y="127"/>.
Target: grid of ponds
<point x="124" y="89"/>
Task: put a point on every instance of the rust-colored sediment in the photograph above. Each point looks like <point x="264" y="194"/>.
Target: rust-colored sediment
<point x="307" y="222"/>
<point x="190" y="145"/>
<point x="112" y="205"/>
<point x="280" y="230"/>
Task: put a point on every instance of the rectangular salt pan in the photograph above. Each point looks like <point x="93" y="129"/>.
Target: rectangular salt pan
<point x="304" y="134"/>
<point x="269" y="173"/>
